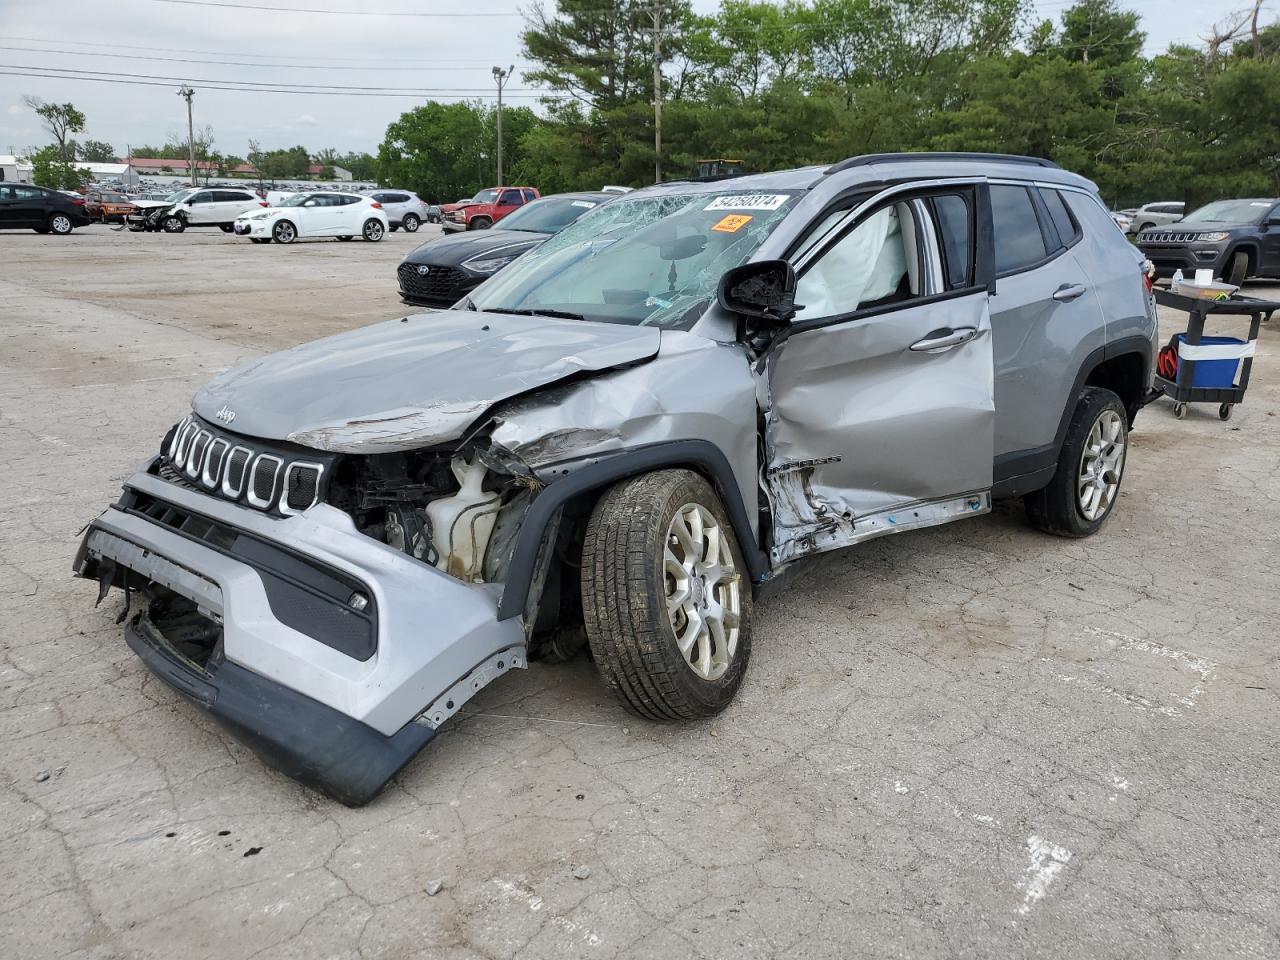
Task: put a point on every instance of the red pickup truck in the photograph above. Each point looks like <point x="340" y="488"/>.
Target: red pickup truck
<point x="486" y="208"/>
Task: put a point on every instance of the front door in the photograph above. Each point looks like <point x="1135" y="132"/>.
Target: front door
<point x="508" y="201"/>
<point x="201" y="208"/>
<point x="880" y="412"/>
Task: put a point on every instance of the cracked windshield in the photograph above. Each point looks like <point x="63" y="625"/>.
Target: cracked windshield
<point x="653" y="261"/>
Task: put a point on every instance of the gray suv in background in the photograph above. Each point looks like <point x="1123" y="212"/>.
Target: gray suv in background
<point x="1155" y="215"/>
<point x="615" y="439"/>
<point x="404" y="208"/>
<point x="1236" y="239"/>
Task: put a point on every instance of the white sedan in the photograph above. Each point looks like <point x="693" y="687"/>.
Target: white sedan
<point x="341" y="215"/>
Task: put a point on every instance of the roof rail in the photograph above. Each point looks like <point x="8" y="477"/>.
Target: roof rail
<point x="870" y="158"/>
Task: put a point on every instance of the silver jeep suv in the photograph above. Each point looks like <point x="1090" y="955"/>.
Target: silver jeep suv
<point x="613" y="441"/>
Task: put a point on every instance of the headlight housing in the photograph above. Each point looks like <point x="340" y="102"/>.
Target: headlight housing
<point x="488" y="264"/>
<point x="1212" y="237"/>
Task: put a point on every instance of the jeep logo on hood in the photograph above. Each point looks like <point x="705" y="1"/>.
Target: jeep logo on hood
<point x="226" y="414"/>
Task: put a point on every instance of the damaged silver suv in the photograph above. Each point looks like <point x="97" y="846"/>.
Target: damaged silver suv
<point x="615" y="439"/>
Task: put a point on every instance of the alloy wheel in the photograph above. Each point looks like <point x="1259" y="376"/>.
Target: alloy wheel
<point x="373" y="230"/>
<point x="60" y="223"/>
<point x="1101" y="465"/>
<point x="703" y="591"/>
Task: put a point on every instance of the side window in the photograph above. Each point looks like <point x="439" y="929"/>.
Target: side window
<point x="1019" y="241"/>
<point x="397" y="198"/>
<point x="380" y="198"/>
<point x="204" y="196"/>
<point x="529" y="195"/>
<point x="510" y="197"/>
<point x="7" y="193"/>
<point x="874" y="263"/>
<point x="1061" y="216"/>
<point x="955" y="224"/>
<point x="28" y="193"/>
<point x="346" y="200"/>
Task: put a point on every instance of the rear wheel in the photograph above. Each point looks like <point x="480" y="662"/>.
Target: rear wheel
<point x="284" y="232"/>
<point x="1237" y="268"/>
<point x="1084" y="489"/>
<point x="480" y="223"/>
<point x="410" y="223"/>
<point x="60" y="224"/>
<point x="373" y="230"/>
<point x="666" y="605"/>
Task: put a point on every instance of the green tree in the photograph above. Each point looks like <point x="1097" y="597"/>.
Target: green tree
<point x="49" y="169"/>
<point x="61" y="120"/>
<point x="95" y="151"/>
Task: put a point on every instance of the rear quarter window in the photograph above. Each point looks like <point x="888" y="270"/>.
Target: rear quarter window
<point x="1061" y="216"/>
<point x="1019" y="241"/>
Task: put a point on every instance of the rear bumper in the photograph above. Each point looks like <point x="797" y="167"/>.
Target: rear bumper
<point x="283" y="685"/>
<point x="302" y="738"/>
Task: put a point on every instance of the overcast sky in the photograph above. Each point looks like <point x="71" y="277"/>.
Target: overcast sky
<point x="440" y="53"/>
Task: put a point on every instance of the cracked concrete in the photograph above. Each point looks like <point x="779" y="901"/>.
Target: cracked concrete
<point x="972" y="741"/>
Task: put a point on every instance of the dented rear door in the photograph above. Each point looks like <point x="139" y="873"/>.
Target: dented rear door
<point x="879" y="415"/>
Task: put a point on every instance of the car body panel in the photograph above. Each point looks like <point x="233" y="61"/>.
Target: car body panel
<point x="413" y="382"/>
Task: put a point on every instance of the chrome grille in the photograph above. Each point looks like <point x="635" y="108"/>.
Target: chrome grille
<point x="198" y="456"/>
<point x="1169" y="237"/>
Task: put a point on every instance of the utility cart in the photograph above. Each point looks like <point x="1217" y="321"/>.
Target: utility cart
<point x="1207" y="367"/>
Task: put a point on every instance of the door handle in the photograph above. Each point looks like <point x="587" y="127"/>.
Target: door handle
<point x="944" y="339"/>
<point x="1068" y="292"/>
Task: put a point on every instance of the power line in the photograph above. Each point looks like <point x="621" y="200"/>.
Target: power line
<point x="224" y="53"/>
<point x="227" y="63"/>
<point x="253" y="84"/>
<point x="341" y="13"/>
<point x="221" y="85"/>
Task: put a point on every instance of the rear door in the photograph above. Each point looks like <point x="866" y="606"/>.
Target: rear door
<point x="233" y="203"/>
<point x="880" y="409"/>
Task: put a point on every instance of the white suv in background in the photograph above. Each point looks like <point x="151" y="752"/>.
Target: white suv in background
<point x="1156" y="215"/>
<point x="208" y="207"/>
<point x="404" y="208"/>
<point x="320" y="214"/>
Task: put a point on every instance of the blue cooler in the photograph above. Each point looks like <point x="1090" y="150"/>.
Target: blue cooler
<point x="1210" y="374"/>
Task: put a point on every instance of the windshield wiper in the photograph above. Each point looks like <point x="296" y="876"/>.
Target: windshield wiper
<point x="559" y="314"/>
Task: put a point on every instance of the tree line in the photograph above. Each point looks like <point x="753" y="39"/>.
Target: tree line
<point x="779" y="85"/>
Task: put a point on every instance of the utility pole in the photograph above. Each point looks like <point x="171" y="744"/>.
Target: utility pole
<point x="188" y="93"/>
<point x="655" y="14"/>
<point x="501" y="76"/>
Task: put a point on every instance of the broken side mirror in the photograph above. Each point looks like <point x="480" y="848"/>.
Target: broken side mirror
<point x="763" y="292"/>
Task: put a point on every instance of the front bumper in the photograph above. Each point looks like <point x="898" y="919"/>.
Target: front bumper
<point x="438" y="640"/>
<point x="1168" y="257"/>
<point x="252" y="228"/>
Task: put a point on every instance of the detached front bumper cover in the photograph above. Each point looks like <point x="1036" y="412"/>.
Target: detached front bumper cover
<point x="340" y="722"/>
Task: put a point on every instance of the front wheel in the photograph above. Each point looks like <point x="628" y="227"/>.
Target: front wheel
<point x="284" y="232"/>
<point x="1084" y="489"/>
<point x="373" y="230"/>
<point x="1238" y="269"/>
<point x="410" y="223"/>
<point x="480" y="223"/>
<point x="173" y="224"/>
<point x="666" y="602"/>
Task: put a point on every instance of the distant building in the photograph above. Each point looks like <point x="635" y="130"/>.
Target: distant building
<point x="14" y="169"/>
<point x="110" y="171"/>
<point x="178" y="166"/>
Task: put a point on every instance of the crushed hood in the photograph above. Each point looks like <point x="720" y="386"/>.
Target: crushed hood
<point x="414" y="382"/>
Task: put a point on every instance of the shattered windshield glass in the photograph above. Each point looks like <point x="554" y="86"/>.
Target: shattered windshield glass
<point x="645" y="260"/>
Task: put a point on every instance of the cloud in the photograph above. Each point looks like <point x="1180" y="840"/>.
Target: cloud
<point x="14" y="109"/>
<point x="306" y="120"/>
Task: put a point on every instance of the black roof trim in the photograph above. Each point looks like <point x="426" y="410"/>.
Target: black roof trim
<point x="867" y="159"/>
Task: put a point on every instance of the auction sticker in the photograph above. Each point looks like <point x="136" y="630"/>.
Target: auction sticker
<point x="732" y="223"/>
<point x="749" y="201"/>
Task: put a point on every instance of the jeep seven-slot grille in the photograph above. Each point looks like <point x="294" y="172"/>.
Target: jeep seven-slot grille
<point x="440" y="287"/>
<point x="1169" y="237"/>
<point x="262" y="477"/>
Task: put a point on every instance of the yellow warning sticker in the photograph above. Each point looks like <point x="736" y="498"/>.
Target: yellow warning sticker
<point x="732" y="223"/>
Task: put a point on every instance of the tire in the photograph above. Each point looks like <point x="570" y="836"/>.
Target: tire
<point x="373" y="230"/>
<point x="1145" y="226"/>
<point x="480" y="223"/>
<point x="410" y="223"/>
<point x="1179" y="411"/>
<point x="1237" y="270"/>
<point x="626" y="582"/>
<point x="1060" y="507"/>
<point x="284" y="232"/>
<point x="60" y="224"/>
<point x="344" y="239"/>
<point x="173" y="224"/>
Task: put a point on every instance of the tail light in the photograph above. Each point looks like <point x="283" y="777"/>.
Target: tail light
<point x="77" y="201"/>
<point x="263" y="203"/>
<point x="1148" y="273"/>
<point x="376" y="205"/>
